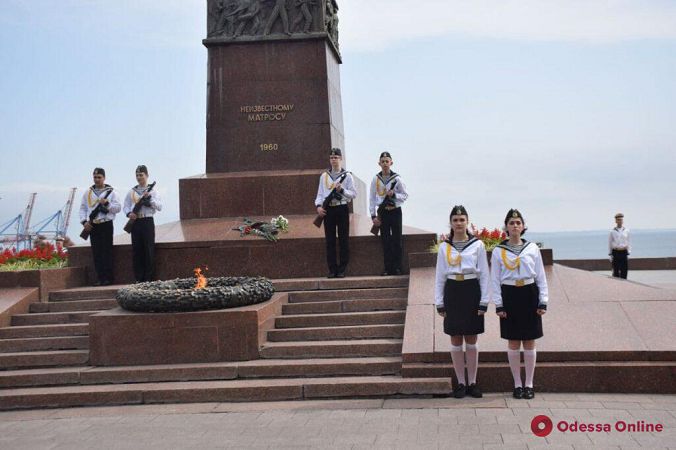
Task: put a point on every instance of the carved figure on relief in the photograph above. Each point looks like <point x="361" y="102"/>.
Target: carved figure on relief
<point x="245" y="12"/>
<point x="223" y="19"/>
<point x="331" y="20"/>
<point x="303" y="13"/>
<point x="278" y="11"/>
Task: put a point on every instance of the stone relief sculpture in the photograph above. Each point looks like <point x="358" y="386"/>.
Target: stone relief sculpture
<point x="303" y="13"/>
<point x="232" y="19"/>
<point x="331" y="20"/>
<point x="247" y="11"/>
<point x="278" y="11"/>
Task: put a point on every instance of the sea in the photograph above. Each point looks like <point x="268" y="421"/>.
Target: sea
<point x="594" y="244"/>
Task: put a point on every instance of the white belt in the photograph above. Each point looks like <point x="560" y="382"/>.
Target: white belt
<point x="100" y="221"/>
<point x="335" y="203"/>
<point x="462" y="277"/>
<point x="519" y="283"/>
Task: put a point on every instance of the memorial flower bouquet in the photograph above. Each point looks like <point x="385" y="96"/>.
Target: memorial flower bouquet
<point x="47" y="256"/>
<point x="267" y="231"/>
<point x="281" y="222"/>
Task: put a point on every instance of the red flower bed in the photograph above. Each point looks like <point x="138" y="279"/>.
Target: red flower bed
<point x="45" y="253"/>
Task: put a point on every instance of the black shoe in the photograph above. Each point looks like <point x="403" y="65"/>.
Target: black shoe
<point x="518" y="392"/>
<point x="528" y="393"/>
<point x="384" y="274"/>
<point x="397" y="272"/>
<point x="331" y="275"/>
<point x="106" y="283"/>
<point x="340" y="275"/>
<point x="96" y="283"/>
<point x="460" y="391"/>
<point x="474" y="391"/>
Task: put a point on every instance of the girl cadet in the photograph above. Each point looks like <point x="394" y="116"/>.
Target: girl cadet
<point x="461" y="297"/>
<point x="519" y="291"/>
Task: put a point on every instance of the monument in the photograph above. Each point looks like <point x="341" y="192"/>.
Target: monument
<point x="273" y="112"/>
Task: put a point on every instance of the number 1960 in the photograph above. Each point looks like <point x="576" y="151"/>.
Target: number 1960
<point x="269" y="147"/>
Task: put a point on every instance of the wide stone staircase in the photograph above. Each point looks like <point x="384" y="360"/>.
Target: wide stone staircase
<point x="342" y="340"/>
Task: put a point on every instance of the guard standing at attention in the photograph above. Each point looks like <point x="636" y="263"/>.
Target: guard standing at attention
<point x="100" y="226"/>
<point x="336" y="185"/>
<point x="143" y="228"/>
<point x="387" y="194"/>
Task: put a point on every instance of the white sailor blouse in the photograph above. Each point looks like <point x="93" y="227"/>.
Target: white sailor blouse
<point x="134" y="195"/>
<point x="471" y="260"/>
<point x="327" y="180"/>
<point x="513" y="268"/>
<point x="90" y="200"/>
<point x="619" y="239"/>
<point x="379" y="188"/>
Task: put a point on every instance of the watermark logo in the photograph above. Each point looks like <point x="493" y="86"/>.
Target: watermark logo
<point x="541" y="426"/>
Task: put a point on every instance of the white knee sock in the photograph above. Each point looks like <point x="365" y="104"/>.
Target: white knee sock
<point x="529" y="357"/>
<point x="472" y="354"/>
<point x="458" y="358"/>
<point x="514" y="357"/>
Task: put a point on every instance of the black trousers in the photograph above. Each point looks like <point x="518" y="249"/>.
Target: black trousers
<point x="102" y="250"/>
<point x="390" y="236"/>
<point x="143" y="248"/>
<point x="620" y="263"/>
<point x="337" y="219"/>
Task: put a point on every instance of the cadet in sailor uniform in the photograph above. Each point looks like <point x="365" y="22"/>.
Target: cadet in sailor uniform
<point x="389" y="220"/>
<point x="461" y="297"/>
<point x="143" y="230"/>
<point x="337" y="215"/>
<point x="101" y="227"/>
<point x="519" y="291"/>
<point x="619" y="247"/>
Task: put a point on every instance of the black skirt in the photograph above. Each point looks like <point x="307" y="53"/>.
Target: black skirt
<point x="461" y="301"/>
<point x="522" y="323"/>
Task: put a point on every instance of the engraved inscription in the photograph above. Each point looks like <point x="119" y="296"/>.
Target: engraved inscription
<point x="266" y="113"/>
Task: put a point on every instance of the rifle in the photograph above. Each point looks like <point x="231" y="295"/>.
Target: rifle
<point x="325" y="204"/>
<point x="387" y="201"/>
<point x="95" y="212"/>
<point x="137" y="207"/>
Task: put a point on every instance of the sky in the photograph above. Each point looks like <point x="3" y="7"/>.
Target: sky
<point x="564" y="109"/>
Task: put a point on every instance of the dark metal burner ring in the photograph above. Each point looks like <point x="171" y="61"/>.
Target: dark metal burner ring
<point x="180" y="294"/>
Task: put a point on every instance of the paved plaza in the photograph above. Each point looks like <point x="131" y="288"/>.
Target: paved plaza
<point x="496" y="421"/>
<point x="665" y="279"/>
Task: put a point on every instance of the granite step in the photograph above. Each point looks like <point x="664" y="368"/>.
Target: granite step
<point x="284" y="368"/>
<point x="345" y="306"/>
<point x="85" y="293"/>
<point x="79" y="305"/>
<point x="34" y="331"/>
<point x="347" y="294"/>
<point x="315" y="284"/>
<point x="52" y="318"/>
<point x="333" y="333"/>
<point x="44" y="343"/>
<point x="43" y="359"/>
<point x="342" y="319"/>
<point x="221" y="391"/>
<point x="332" y="349"/>
<point x="650" y="377"/>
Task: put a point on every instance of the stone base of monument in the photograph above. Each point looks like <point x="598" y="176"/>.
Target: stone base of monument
<point x="300" y="253"/>
<point x="122" y="338"/>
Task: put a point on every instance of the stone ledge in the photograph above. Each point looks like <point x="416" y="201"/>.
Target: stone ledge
<point x="45" y="280"/>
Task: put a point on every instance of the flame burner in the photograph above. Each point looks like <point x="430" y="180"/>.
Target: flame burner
<point x="181" y="294"/>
